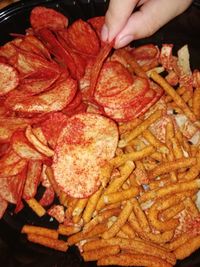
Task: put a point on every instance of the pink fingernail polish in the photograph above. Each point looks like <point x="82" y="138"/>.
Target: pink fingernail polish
<point x="123" y="41"/>
<point x="104" y="33"/>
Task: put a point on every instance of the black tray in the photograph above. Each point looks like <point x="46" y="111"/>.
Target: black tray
<point x="15" y="250"/>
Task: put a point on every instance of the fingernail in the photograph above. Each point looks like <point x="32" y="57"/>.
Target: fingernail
<point x="104" y="33"/>
<point x="123" y="41"/>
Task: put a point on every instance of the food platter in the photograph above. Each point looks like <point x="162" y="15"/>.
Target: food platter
<point x="182" y="30"/>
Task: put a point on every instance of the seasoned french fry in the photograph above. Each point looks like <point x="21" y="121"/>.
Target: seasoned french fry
<point x="132" y="259"/>
<point x="125" y="127"/>
<point x="134" y="223"/>
<point x="50" y="175"/>
<point x="161" y="182"/>
<point x="191" y="174"/>
<point x="177" y="242"/>
<point x="94" y="232"/>
<point x="191" y="207"/>
<point x="121" y="234"/>
<point x="120" y="196"/>
<point x="121" y="220"/>
<point x="139" y="246"/>
<point x="169" y="131"/>
<point x="105" y="173"/>
<point x="137" y="155"/>
<point x="91" y="205"/>
<point x="159" y="206"/>
<point x="68" y="230"/>
<point x="48" y="242"/>
<point x="78" y="209"/>
<point x="170" y="189"/>
<point x="36" y="207"/>
<point x="172" y="166"/>
<point x="140" y="173"/>
<point x="127" y="230"/>
<point x="99" y="253"/>
<point x="159" y="238"/>
<point x="169" y="213"/>
<point x="116" y="183"/>
<point x="157" y="69"/>
<point x="141" y="217"/>
<point x="187" y="248"/>
<point x="154" y="141"/>
<point x="42" y="148"/>
<point x="140" y="128"/>
<point x="190" y="104"/>
<point x="72" y="202"/>
<point x="42" y="231"/>
<point x="180" y="90"/>
<point x="187" y="96"/>
<point x="101" y="217"/>
<point x="176" y="97"/>
<point x="171" y="157"/>
<point x="195" y="102"/>
<point x="177" y="150"/>
<point x="64" y="198"/>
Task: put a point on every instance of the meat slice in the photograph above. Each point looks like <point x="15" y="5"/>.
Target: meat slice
<point x="82" y="148"/>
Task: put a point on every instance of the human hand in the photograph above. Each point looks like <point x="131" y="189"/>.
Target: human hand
<point x="124" y="24"/>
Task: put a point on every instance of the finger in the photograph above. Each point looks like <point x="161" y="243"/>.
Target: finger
<point x="116" y="17"/>
<point x="151" y="16"/>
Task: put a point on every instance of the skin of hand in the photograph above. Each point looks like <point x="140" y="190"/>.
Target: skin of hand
<point x="130" y="20"/>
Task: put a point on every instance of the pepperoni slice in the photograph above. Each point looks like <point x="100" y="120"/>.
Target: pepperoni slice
<point x="48" y="197"/>
<point x="101" y="57"/>
<point x="32" y="180"/>
<point x="113" y="79"/>
<point x="126" y="97"/>
<point x="25" y="149"/>
<point x="148" y="51"/>
<point x="97" y="24"/>
<point x="9" y="78"/>
<point x="39" y="84"/>
<point x="11" y="188"/>
<point x="55" y="99"/>
<point x="84" y="144"/>
<point x="52" y="126"/>
<point x="33" y="44"/>
<point x="9" y="125"/>
<point x="81" y="37"/>
<point x="26" y="63"/>
<point x="132" y="111"/>
<point x="43" y="17"/>
<point x="138" y="108"/>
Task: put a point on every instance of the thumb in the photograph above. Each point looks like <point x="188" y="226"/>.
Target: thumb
<point x="116" y="18"/>
<point x="151" y="16"/>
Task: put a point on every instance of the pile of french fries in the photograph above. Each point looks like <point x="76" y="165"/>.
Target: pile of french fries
<point x="145" y="212"/>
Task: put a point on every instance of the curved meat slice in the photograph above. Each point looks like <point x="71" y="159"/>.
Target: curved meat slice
<point x="113" y="79"/>
<point x="43" y="17"/>
<point x="126" y="97"/>
<point x="82" y="148"/>
<point x="9" y="78"/>
<point x="55" y="99"/>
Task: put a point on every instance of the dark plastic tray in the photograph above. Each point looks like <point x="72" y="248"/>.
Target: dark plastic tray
<point x="15" y="250"/>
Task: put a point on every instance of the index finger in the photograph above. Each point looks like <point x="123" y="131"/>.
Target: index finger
<point x="116" y="17"/>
